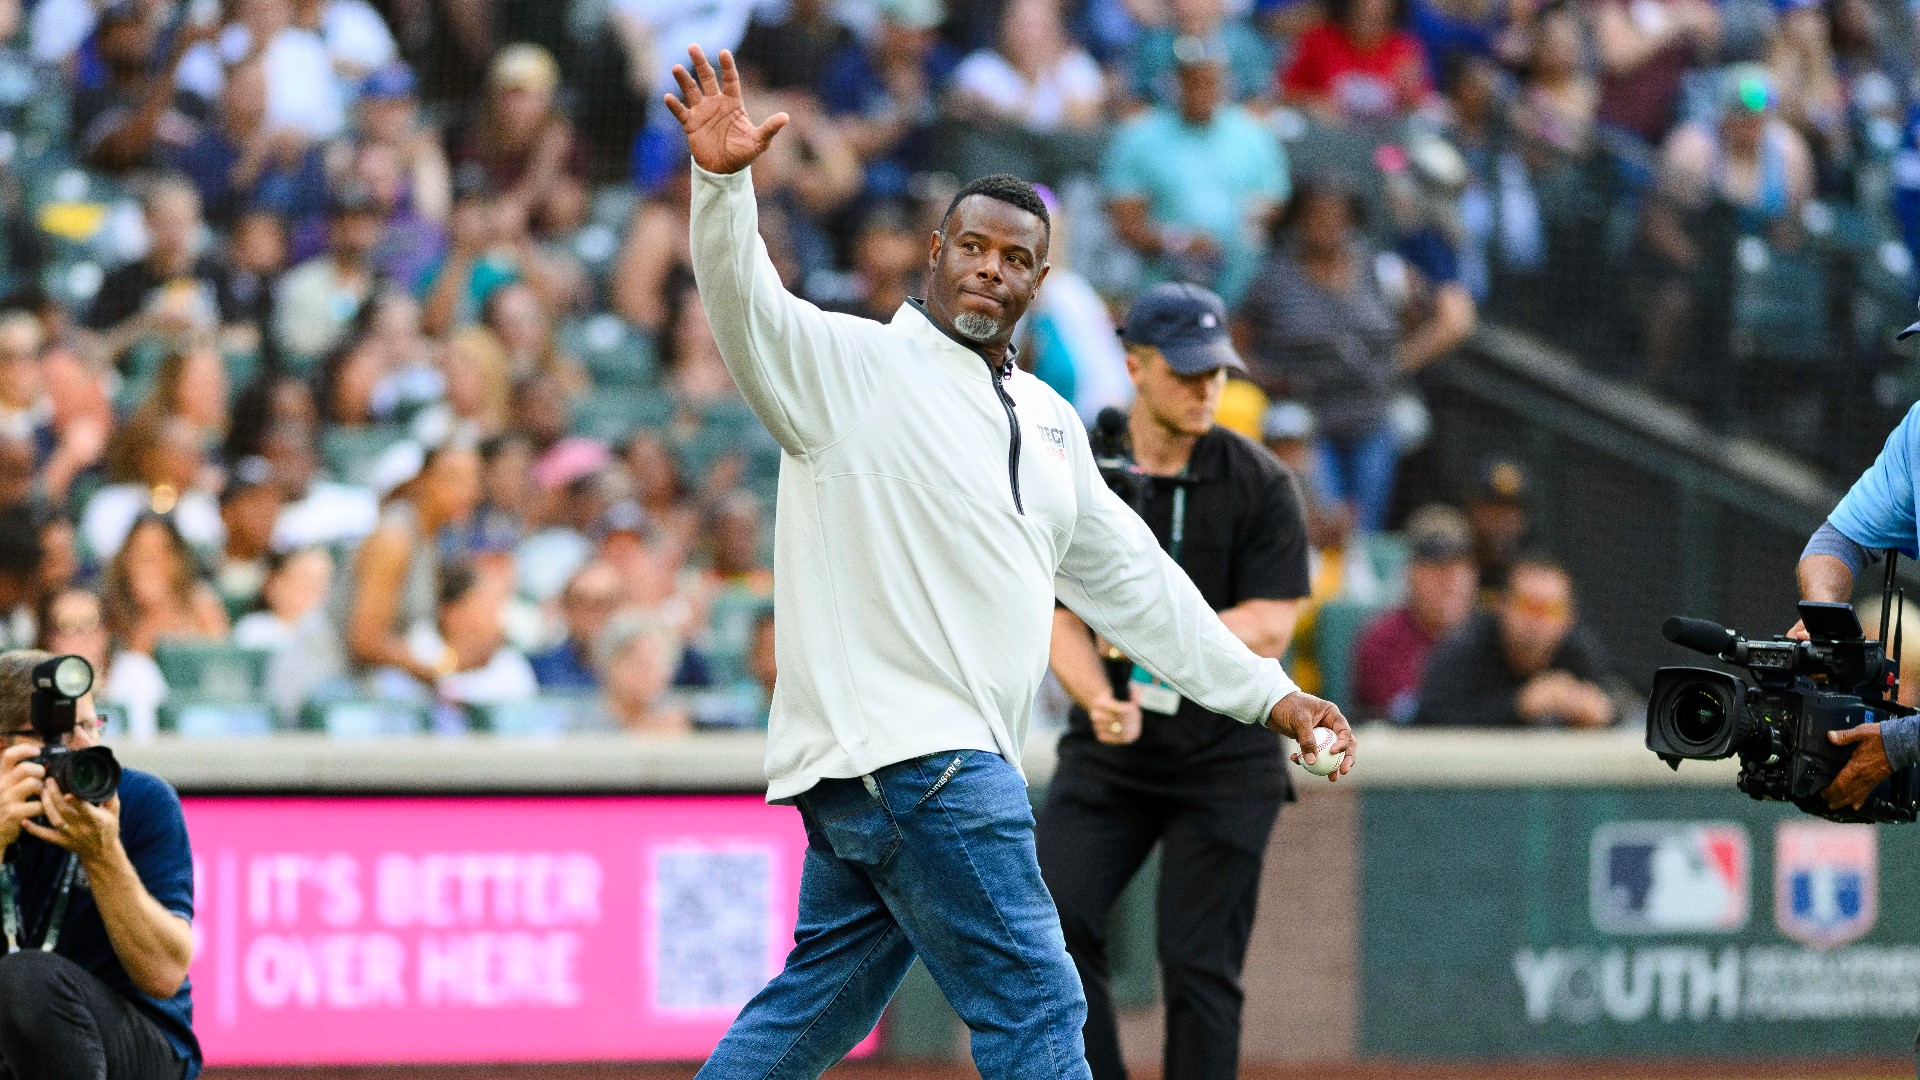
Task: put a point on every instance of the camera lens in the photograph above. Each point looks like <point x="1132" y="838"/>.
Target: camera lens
<point x="1699" y="715"/>
<point x="94" y="774"/>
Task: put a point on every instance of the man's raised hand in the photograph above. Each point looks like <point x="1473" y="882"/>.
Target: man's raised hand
<point x="719" y="134"/>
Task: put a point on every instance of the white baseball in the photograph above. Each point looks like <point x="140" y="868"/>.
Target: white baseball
<point x="1324" y="764"/>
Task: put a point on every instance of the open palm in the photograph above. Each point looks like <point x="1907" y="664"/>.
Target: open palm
<point x="719" y="134"/>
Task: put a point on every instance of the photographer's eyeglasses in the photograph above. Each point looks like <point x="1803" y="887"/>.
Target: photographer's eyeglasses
<point x="96" y="727"/>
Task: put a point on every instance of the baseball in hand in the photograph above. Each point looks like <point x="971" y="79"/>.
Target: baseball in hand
<point x="1323" y="763"/>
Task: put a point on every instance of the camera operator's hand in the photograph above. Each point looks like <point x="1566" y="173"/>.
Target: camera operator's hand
<point x="1297" y="714"/>
<point x="1115" y="722"/>
<point x="20" y="779"/>
<point x="1865" y="769"/>
<point x="89" y="831"/>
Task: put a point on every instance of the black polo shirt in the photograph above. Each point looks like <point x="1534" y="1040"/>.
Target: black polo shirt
<point x="1245" y="539"/>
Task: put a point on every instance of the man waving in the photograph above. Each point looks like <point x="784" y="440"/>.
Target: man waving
<point x="934" y="499"/>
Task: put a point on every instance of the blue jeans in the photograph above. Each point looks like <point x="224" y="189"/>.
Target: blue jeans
<point x="931" y="856"/>
<point x="1360" y="470"/>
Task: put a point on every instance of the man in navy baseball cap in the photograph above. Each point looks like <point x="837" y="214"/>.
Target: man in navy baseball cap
<point x="1187" y="323"/>
<point x="1227" y="512"/>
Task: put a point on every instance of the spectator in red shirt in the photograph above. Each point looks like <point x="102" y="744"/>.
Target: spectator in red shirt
<point x="1393" y="649"/>
<point x="1359" y="64"/>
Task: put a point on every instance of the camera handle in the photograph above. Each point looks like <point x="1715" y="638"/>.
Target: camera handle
<point x="1890" y="596"/>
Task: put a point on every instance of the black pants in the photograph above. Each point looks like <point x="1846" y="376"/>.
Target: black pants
<point x="59" y="1022"/>
<point x="1092" y="836"/>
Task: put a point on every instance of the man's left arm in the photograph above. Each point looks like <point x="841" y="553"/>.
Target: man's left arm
<point x="153" y="943"/>
<point x="1116" y="578"/>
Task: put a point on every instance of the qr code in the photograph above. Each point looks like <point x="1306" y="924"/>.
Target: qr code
<point x="713" y="926"/>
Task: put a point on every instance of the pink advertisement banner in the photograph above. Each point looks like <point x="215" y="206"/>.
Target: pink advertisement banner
<point x="359" y="930"/>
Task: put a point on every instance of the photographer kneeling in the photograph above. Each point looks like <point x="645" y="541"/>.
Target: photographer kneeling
<point x="97" y="903"/>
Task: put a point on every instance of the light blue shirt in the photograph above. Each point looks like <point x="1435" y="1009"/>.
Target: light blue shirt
<point x="1205" y="179"/>
<point x="1878" y="512"/>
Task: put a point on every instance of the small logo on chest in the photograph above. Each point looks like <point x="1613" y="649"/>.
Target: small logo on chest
<point x="1053" y="438"/>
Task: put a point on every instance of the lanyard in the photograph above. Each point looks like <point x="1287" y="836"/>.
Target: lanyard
<point x="1178" y="534"/>
<point x="10" y="907"/>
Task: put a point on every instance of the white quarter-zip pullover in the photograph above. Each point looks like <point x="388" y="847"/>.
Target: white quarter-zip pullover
<point x="930" y="510"/>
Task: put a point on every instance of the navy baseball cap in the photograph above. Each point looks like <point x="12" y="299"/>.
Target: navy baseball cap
<point x="1187" y="323"/>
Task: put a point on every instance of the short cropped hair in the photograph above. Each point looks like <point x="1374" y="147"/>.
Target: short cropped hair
<point x="1537" y="559"/>
<point x="16" y="686"/>
<point x="1008" y="189"/>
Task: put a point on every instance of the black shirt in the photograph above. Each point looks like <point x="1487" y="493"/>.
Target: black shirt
<point x="1245" y="539"/>
<point x="1469" y="684"/>
<point x="154" y="832"/>
<point x="791" y="55"/>
<point x="126" y="291"/>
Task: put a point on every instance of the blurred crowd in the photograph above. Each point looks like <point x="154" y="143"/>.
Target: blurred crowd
<point x="352" y="373"/>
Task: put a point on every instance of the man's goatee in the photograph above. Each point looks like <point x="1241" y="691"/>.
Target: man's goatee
<point x="976" y="327"/>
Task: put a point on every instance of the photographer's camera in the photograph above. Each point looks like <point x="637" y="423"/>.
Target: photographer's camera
<point x="92" y="773"/>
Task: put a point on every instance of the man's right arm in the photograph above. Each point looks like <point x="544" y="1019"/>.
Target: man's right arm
<point x="804" y="371"/>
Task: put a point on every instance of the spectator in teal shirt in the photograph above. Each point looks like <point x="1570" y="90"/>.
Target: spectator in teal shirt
<point x="1190" y="185"/>
<point x="1248" y="57"/>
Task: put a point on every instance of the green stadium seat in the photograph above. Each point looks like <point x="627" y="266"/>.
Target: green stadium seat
<point x="1336" y="629"/>
<point x="730" y="623"/>
<point x="1387" y="554"/>
<point x="1352" y="155"/>
<point x="1779" y="304"/>
<point x="363" y="718"/>
<point x="350" y="452"/>
<point x="548" y="716"/>
<point x="613" y="206"/>
<point x="616" y="355"/>
<point x="611" y="415"/>
<point x="212" y="670"/>
<point x="195" y="717"/>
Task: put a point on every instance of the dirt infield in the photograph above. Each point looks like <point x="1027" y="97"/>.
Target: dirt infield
<point x="1859" y="1069"/>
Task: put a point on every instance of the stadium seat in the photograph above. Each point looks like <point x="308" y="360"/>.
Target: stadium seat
<point x="211" y="670"/>
<point x="1387" y="554"/>
<point x="195" y="717"/>
<point x="1779" y="304"/>
<point x="549" y="715"/>
<point x="349" y="452"/>
<point x="1337" y="627"/>
<point x="616" y="354"/>
<point x="611" y="415"/>
<point x="730" y="633"/>
<point x="360" y="718"/>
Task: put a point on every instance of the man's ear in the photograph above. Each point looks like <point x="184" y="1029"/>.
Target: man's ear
<point x="934" y="243"/>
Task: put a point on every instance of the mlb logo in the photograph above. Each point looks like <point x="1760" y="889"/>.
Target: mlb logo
<point x="1826" y="881"/>
<point x="1669" y="877"/>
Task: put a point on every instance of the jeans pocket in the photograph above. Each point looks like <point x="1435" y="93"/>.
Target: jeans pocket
<point x="949" y="766"/>
<point x="856" y="826"/>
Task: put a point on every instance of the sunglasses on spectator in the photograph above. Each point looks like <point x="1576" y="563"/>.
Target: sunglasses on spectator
<point x="1540" y="609"/>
